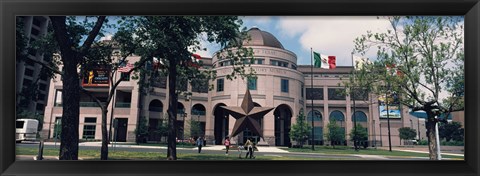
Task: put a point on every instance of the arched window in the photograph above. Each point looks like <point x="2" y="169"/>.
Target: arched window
<point x="316" y="116"/>
<point x="198" y="109"/>
<point x="156" y="106"/>
<point x="361" y="116"/>
<point x="337" y="116"/>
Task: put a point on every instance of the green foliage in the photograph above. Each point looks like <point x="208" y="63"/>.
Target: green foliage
<point x="162" y="128"/>
<point x="142" y="129"/>
<point x="300" y="131"/>
<point x="361" y="134"/>
<point x="406" y="133"/>
<point x="335" y="134"/>
<point x="195" y="129"/>
<point x="452" y="131"/>
<point x="428" y="55"/>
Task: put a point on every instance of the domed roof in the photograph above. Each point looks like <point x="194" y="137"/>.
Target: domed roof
<point x="261" y="38"/>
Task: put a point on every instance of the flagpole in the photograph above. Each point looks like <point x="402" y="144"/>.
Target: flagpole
<point x="113" y="104"/>
<point x="311" y="86"/>
<point x="354" y="110"/>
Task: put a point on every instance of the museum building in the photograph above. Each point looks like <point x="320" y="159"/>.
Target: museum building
<point x="280" y="84"/>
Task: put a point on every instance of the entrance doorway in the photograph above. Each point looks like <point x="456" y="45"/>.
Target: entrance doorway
<point x="121" y="129"/>
<point x="221" y="124"/>
<point x="283" y="120"/>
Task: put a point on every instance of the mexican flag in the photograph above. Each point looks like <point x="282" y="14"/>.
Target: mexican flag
<point x="324" y="61"/>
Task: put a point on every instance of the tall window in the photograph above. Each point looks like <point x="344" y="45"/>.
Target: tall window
<point x="89" y="128"/>
<point x="284" y="85"/>
<point x="220" y="85"/>
<point x="301" y="90"/>
<point x="58" y="98"/>
<point x="252" y="83"/>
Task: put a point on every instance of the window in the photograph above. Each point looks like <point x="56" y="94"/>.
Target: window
<point x="316" y="116"/>
<point x="43" y="87"/>
<point x="41" y="96"/>
<point x="252" y="83"/>
<point x="318" y="135"/>
<point x="284" y="85"/>
<point x="260" y="61"/>
<point x="301" y="90"/>
<point x="315" y="93"/>
<point x="89" y="128"/>
<point x="335" y="94"/>
<point x="28" y="72"/>
<point x="273" y="62"/>
<point x="294" y="66"/>
<point x="58" y="98"/>
<point x="220" y="85"/>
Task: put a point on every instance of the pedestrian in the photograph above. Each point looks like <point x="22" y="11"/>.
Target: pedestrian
<point x="249" y="147"/>
<point x="199" y="144"/>
<point x="240" y="150"/>
<point x="227" y="144"/>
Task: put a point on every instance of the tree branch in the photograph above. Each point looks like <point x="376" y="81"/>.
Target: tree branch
<point x="91" y="36"/>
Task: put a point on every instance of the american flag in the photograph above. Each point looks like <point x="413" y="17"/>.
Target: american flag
<point x="125" y="68"/>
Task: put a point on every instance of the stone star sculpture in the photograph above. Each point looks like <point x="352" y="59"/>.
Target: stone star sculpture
<point x="247" y="116"/>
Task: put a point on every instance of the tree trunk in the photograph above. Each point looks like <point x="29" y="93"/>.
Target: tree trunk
<point x="172" y="112"/>
<point x="71" y="111"/>
<point x="105" y="139"/>
<point x="71" y="92"/>
<point x="431" y="134"/>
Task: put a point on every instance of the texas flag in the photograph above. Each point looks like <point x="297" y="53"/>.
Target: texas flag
<point x="324" y="61"/>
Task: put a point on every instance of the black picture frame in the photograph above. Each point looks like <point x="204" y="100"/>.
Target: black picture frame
<point x="11" y="8"/>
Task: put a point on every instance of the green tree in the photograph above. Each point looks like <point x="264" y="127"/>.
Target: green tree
<point x="451" y="131"/>
<point x="426" y="54"/>
<point x="360" y="135"/>
<point x="335" y="134"/>
<point x="141" y="132"/>
<point x="406" y="133"/>
<point x="172" y="40"/>
<point x="195" y="129"/>
<point x="161" y="129"/>
<point x="300" y="130"/>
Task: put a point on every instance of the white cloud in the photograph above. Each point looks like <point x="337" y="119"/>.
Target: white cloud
<point x="329" y="35"/>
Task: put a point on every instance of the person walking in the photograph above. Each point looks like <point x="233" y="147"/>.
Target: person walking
<point x="249" y="146"/>
<point x="199" y="144"/>
<point x="227" y="144"/>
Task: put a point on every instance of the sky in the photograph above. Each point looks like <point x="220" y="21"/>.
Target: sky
<point x="328" y="35"/>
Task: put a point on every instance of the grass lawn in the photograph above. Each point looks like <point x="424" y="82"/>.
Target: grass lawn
<point x="180" y="145"/>
<point x="124" y="155"/>
<point x="368" y="151"/>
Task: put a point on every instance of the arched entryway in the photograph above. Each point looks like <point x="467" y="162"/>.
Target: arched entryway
<point x="197" y="118"/>
<point x="220" y="124"/>
<point x="155" y="108"/>
<point x="283" y="120"/>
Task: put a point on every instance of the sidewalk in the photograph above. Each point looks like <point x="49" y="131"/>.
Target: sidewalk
<point x="447" y="150"/>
